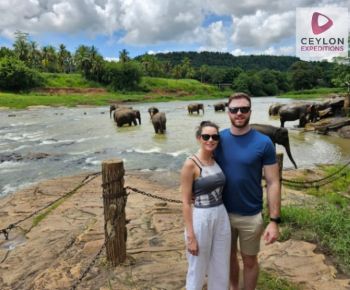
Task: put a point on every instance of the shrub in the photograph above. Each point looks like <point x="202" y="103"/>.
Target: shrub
<point x="16" y="76"/>
<point x="122" y="76"/>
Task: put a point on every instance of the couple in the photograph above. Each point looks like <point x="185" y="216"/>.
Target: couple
<point x="228" y="200"/>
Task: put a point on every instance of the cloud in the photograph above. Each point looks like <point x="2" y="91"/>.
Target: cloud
<point x="214" y="37"/>
<point x="256" y="24"/>
<point x="262" y="29"/>
<point x="156" y="21"/>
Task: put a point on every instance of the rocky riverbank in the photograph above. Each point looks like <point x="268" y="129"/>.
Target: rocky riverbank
<point x="55" y="253"/>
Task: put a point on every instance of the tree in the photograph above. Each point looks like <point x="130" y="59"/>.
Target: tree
<point x="122" y="76"/>
<point x="302" y="75"/>
<point x="64" y="59"/>
<point x="124" y="56"/>
<point x="16" y="76"/>
<point x="49" y="59"/>
<point x="21" y="46"/>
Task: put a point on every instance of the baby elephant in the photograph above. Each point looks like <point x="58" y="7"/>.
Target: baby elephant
<point x="159" y="122"/>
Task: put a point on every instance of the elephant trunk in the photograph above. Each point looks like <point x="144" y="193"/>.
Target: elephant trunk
<point x="287" y="147"/>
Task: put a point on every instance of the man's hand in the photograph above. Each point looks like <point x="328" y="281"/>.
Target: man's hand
<point x="271" y="233"/>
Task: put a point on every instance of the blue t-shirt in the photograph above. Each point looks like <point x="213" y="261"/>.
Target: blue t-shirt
<point x="241" y="158"/>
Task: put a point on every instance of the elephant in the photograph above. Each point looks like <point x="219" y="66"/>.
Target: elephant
<point x="274" y="109"/>
<point x="195" y="107"/>
<point x="152" y="111"/>
<point x="220" y="107"/>
<point x="125" y="116"/>
<point x="159" y="122"/>
<point x="114" y="107"/>
<point x="294" y="112"/>
<point x="277" y="135"/>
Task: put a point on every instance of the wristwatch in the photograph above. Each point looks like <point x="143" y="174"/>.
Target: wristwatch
<point x="277" y="220"/>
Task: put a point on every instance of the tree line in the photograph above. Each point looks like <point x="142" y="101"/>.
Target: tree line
<point x="258" y="75"/>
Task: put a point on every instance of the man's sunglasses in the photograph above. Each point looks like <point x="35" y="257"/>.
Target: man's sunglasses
<point x="206" y="137"/>
<point x="234" y="110"/>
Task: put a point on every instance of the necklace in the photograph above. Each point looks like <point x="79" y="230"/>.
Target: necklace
<point x="205" y="161"/>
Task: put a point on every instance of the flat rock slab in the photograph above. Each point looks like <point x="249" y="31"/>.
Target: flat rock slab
<point x="55" y="253"/>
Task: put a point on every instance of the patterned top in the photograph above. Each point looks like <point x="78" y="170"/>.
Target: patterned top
<point x="207" y="188"/>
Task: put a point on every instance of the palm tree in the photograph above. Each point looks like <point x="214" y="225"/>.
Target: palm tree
<point x="34" y="55"/>
<point x="64" y="59"/>
<point x="124" y="56"/>
<point x="21" y="46"/>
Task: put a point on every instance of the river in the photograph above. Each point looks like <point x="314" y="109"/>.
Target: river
<point x="39" y="144"/>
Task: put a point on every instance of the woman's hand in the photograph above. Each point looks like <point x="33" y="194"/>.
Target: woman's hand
<point x="192" y="246"/>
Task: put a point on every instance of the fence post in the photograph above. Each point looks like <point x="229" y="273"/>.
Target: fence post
<point x="114" y="201"/>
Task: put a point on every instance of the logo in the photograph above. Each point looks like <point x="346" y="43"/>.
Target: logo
<point x="321" y="33"/>
<point x="318" y="29"/>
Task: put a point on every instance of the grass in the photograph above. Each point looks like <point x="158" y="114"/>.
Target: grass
<point x="270" y="281"/>
<point x="313" y="93"/>
<point x="151" y="90"/>
<point x="327" y="222"/>
<point x="60" y="80"/>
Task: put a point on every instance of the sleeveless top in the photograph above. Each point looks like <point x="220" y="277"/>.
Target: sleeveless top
<point x="207" y="188"/>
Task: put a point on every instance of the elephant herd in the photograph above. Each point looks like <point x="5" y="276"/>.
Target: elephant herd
<point x="307" y="112"/>
<point x="127" y="115"/>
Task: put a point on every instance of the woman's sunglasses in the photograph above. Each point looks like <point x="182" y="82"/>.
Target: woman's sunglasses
<point x="214" y="137"/>
<point x="234" y="110"/>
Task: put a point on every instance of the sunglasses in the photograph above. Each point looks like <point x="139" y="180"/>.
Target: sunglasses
<point x="234" y="110"/>
<point x="214" y="137"/>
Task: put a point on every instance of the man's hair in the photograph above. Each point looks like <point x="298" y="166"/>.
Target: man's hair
<point x="205" y="124"/>
<point x="239" y="95"/>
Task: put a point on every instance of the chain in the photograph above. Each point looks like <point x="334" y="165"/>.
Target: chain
<point x="86" y="180"/>
<point x="153" y="195"/>
<point x="316" y="184"/>
<point x="88" y="268"/>
<point x="317" y="180"/>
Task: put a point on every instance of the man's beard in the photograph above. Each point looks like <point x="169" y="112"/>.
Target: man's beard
<point x="240" y="125"/>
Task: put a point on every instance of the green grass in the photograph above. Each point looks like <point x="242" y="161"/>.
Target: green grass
<point x="270" y="281"/>
<point x="60" y="80"/>
<point x="325" y="221"/>
<point x="313" y="93"/>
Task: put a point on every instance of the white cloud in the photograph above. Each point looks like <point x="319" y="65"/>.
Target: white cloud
<point x="262" y="29"/>
<point x="283" y="50"/>
<point x="214" y="38"/>
<point x="258" y="24"/>
<point x="238" y="52"/>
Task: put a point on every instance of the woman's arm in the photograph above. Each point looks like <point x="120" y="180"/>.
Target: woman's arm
<point x="187" y="177"/>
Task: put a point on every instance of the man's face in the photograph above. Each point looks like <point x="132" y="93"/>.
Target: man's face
<point x="238" y="118"/>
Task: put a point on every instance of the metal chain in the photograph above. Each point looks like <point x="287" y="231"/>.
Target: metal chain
<point x="317" y="180"/>
<point x="153" y="195"/>
<point x="88" y="268"/>
<point x="86" y="180"/>
<point x="315" y="184"/>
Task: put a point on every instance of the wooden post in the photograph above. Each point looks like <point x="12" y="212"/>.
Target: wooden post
<point x="279" y="157"/>
<point x="114" y="201"/>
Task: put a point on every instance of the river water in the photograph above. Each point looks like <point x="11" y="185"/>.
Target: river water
<point x="40" y="144"/>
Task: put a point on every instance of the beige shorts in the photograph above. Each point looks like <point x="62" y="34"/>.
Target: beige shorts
<point x="248" y="229"/>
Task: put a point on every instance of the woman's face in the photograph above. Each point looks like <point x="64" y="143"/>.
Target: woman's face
<point x="209" y="138"/>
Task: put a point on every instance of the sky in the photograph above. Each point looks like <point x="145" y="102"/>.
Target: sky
<point x="239" y="27"/>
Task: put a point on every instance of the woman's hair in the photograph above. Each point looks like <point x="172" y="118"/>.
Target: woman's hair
<point x="205" y="124"/>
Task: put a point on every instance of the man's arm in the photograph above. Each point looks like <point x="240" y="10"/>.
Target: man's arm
<point x="273" y="190"/>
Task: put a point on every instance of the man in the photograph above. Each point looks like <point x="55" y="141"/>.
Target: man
<point x="243" y="153"/>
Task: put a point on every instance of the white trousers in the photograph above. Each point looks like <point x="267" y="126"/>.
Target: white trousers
<point x="213" y="233"/>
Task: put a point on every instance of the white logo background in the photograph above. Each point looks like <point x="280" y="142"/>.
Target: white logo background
<point x="310" y="46"/>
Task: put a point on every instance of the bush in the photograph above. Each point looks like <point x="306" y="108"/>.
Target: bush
<point x="16" y="76"/>
<point x="122" y="76"/>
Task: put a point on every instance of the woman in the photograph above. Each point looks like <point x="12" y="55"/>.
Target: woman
<point x="207" y="226"/>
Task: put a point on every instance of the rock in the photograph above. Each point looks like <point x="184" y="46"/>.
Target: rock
<point x="344" y="132"/>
